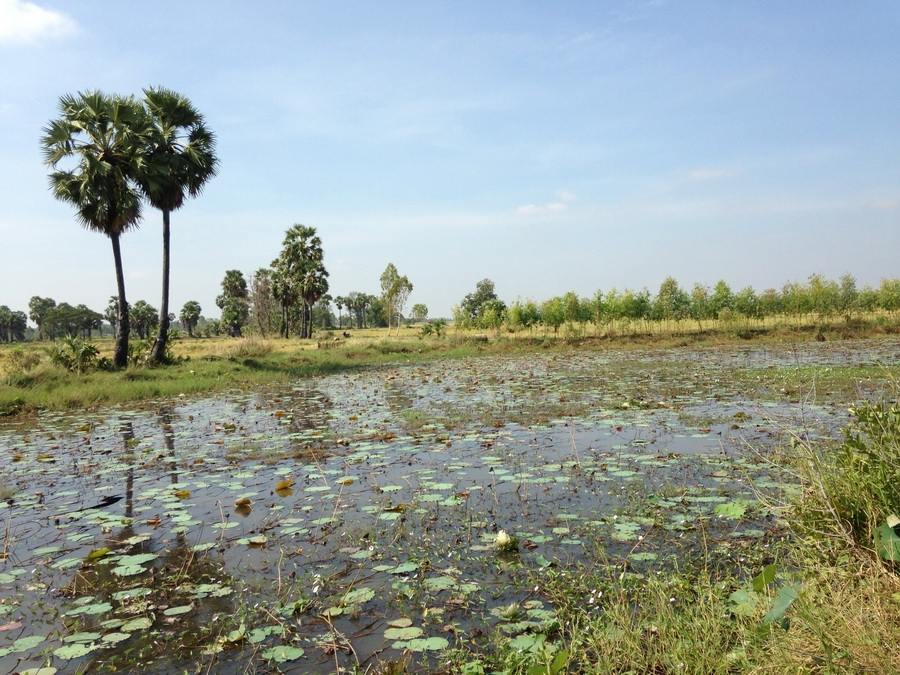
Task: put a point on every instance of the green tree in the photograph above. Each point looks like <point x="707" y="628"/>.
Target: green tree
<point x="143" y="319"/>
<point x="492" y="315"/>
<point x="38" y="308"/>
<point x="179" y="160"/>
<point x="299" y="276"/>
<point x="721" y="299"/>
<point x="263" y="305"/>
<point x="419" y="312"/>
<point x="553" y="313"/>
<point x="111" y="313"/>
<point x="105" y="137"/>
<point x="701" y="307"/>
<point x="190" y="315"/>
<point x="849" y="296"/>
<point x="395" y="290"/>
<point x="746" y="303"/>
<point x="472" y="304"/>
<point x="233" y="302"/>
<point x="671" y="301"/>
<point x="340" y="302"/>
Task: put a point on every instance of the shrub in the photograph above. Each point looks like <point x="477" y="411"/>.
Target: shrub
<point x="74" y="354"/>
<point x="138" y="352"/>
<point x="851" y="493"/>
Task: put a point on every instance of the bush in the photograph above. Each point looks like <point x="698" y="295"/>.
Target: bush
<point x="851" y="494"/>
<point x="74" y="354"/>
<point x="138" y="352"/>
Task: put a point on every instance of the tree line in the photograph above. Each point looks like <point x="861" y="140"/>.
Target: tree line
<point x="818" y="296"/>
<point x="290" y="296"/>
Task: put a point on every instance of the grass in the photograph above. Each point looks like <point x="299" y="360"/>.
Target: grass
<point x="28" y="382"/>
<point x="844" y="609"/>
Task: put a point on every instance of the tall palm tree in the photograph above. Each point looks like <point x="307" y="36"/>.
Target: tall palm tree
<point x="101" y="139"/>
<point x="180" y="160"/>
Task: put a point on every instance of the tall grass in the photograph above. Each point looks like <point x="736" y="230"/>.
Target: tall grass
<point x="850" y="492"/>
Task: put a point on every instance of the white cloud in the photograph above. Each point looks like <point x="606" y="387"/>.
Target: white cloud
<point x="564" y="198"/>
<point x="24" y="22"/>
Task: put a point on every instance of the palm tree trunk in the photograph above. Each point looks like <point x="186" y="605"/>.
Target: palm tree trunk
<point x="158" y="354"/>
<point x="121" y="356"/>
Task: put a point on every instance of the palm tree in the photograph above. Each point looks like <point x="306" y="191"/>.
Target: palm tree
<point x="339" y="303"/>
<point x="104" y="136"/>
<point x="180" y="160"/>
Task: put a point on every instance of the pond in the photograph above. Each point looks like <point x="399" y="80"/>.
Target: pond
<point x="345" y="520"/>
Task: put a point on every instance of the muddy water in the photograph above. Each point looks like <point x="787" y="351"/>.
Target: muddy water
<point x="348" y="519"/>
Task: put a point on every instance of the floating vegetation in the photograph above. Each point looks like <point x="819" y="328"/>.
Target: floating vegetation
<point x="367" y="516"/>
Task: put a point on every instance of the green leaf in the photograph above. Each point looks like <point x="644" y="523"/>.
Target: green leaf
<point x="402" y="633"/>
<point x="140" y="623"/>
<point x="784" y="599"/>
<point x="282" y="653"/>
<point x="732" y="510"/>
<point x="73" y="651"/>
<point x="432" y="644"/>
<point x="887" y="543"/>
<point x="358" y="596"/>
<point x="23" y="644"/>
<point x="115" y="638"/>
<point x="764" y="578"/>
<point x="743" y="602"/>
<point x="559" y="662"/>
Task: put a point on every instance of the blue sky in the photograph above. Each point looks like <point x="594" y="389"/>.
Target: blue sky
<point x="548" y="146"/>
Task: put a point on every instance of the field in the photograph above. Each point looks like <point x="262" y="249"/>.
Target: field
<point x="221" y="363"/>
<point x="514" y="506"/>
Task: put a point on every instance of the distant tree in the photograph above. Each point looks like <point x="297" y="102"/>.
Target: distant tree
<point x="321" y="314"/>
<point x="339" y="302"/>
<point x="472" y="304"/>
<point x="358" y="305"/>
<point x="849" y="296"/>
<point x="18" y="325"/>
<point x="38" y="308"/>
<point x="889" y="294"/>
<point x="190" y="315"/>
<point x="233" y="301"/>
<point x="492" y="315"/>
<point x="111" y="313"/>
<point x="299" y="276"/>
<point x="12" y="325"/>
<point x="179" y="159"/>
<point x="395" y="290"/>
<point x="701" y="306"/>
<point x="88" y="320"/>
<point x="374" y="312"/>
<point x="721" y="299"/>
<point x="103" y="135"/>
<point x="144" y="318"/>
<point x="419" y="312"/>
<point x="770" y="303"/>
<point x="64" y="320"/>
<point x="671" y="301"/>
<point x="263" y="305"/>
<point x="746" y="303"/>
<point x="598" y="308"/>
<point x="553" y="313"/>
